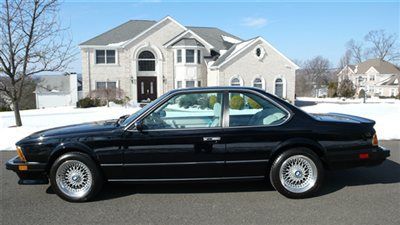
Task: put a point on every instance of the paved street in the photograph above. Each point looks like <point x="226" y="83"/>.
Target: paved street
<point x="357" y="196"/>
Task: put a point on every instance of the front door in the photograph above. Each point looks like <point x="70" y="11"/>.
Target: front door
<point x="178" y="140"/>
<point x="146" y="88"/>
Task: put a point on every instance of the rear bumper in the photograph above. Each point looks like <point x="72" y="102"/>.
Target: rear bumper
<point x="351" y="158"/>
<point x="28" y="172"/>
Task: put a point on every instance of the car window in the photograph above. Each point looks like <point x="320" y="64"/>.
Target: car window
<point x="246" y="109"/>
<point x="195" y="110"/>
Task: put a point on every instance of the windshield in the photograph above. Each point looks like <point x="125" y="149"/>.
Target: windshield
<point x="135" y="115"/>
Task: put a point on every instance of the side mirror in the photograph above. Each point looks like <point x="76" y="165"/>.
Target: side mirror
<point x="139" y="125"/>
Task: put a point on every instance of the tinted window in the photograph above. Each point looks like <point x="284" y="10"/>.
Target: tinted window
<point x="247" y="109"/>
<point x="189" y="55"/>
<point x="197" y="110"/>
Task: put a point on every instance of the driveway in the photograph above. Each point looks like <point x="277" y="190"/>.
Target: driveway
<point x="357" y="196"/>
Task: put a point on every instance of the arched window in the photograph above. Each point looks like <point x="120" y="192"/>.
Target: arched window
<point x="279" y="87"/>
<point x="235" y="82"/>
<point x="147" y="61"/>
<point x="258" y="83"/>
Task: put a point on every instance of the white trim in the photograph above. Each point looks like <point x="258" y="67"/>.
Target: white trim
<point x="152" y="27"/>
<point x="236" y="77"/>
<point x="204" y="42"/>
<point x="251" y="42"/>
<point x="284" y="84"/>
<point x="105" y="57"/>
<point x="263" y="84"/>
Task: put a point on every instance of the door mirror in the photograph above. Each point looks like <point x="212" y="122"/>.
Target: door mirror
<point x="139" y="125"/>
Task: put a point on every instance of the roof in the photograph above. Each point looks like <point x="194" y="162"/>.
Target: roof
<point x="214" y="36"/>
<point x="129" y="30"/>
<point x="56" y="84"/>
<point x="392" y="80"/>
<point x="231" y="52"/>
<point x="121" y="33"/>
<point x="383" y="67"/>
<point x="187" y="42"/>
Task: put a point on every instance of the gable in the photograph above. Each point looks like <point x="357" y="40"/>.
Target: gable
<point x="237" y="51"/>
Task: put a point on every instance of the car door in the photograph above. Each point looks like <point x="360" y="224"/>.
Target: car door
<point x="252" y="132"/>
<point x="180" y="139"/>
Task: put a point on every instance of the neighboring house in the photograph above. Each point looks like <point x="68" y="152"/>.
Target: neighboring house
<point x="56" y="90"/>
<point x="375" y="77"/>
<point x="145" y="59"/>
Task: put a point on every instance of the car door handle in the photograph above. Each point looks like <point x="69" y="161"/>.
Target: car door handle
<point x="211" y="138"/>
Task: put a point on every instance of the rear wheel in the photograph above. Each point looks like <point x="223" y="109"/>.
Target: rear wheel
<point x="75" y="177"/>
<point x="297" y="173"/>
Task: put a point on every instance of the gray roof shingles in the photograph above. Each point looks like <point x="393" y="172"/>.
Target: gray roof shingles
<point x="133" y="28"/>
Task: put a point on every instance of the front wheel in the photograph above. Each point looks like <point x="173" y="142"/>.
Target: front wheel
<point x="297" y="173"/>
<point x="75" y="177"/>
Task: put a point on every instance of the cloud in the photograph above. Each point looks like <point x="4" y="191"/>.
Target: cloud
<point x="256" y="22"/>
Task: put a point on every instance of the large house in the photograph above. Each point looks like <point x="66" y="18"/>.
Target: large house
<point x="145" y="59"/>
<point x="374" y="77"/>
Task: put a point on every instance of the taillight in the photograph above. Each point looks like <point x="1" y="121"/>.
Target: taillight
<point x="20" y="154"/>
<point x="375" y="140"/>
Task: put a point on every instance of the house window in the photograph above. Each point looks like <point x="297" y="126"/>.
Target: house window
<point x="179" y="56"/>
<point x="258" y="52"/>
<point x="235" y="82"/>
<point x="189" y="83"/>
<point x="279" y="87"/>
<point x="105" y="56"/>
<point x="198" y="56"/>
<point x="147" y="61"/>
<point x="179" y="84"/>
<point x="372" y="78"/>
<point x="198" y="83"/>
<point x="189" y="56"/>
<point x="258" y="83"/>
<point x="106" y="85"/>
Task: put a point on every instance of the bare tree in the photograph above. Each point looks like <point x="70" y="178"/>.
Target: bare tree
<point x="318" y="69"/>
<point x="108" y="94"/>
<point x="32" y="41"/>
<point x="383" y="46"/>
<point x="357" y="51"/>
<point x="345" y="60"/>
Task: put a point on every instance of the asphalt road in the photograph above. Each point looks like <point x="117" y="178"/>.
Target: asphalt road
<point x="357" y="196"/>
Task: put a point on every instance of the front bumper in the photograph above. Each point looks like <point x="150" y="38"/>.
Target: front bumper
<point x="351" y="158"/>
<point x="28" y="172"/>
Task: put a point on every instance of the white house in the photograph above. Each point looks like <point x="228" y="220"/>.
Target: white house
<point x="56" y="90"/>
<point x="375" y="77"/>
<point x="145" y="59"/>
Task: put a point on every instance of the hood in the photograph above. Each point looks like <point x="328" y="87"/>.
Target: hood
<point x="98" y="126"/>
<point x="343" y="118"/>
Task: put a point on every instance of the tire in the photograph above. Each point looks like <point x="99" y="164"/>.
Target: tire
<point x="297" y="173"/>
<point x="75" y="177"/>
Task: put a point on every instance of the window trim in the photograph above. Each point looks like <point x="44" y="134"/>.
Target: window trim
<point x="160" y="104"/>
<point x="194" y="56"/>
<point x="225" y="111"/>
<point x="263" y="86"/>
<point x="105" y="57"/>
<point x="284" y="83"/>
<point x="106" y="82"/>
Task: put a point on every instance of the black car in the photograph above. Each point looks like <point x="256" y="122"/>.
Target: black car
<point x="200" y="134"/>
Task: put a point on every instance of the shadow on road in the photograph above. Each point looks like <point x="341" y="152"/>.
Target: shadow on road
<point x="387" y="173"/>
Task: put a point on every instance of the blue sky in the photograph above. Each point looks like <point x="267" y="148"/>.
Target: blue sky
<point x="300" y="30"/>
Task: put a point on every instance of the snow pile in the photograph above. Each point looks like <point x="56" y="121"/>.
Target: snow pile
<point x="230" y="39"/>
<point x="386" y="115"/>
<point x="40" y="119"/>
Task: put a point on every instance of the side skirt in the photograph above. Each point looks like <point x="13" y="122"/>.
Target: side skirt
<point x="189" y="180"/>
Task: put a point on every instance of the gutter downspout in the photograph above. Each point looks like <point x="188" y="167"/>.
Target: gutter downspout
<point x="89" y="76"/>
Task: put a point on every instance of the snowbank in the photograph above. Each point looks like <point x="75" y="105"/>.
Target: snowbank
<point x="40" y="119"/>
<point x="386" y="115"/>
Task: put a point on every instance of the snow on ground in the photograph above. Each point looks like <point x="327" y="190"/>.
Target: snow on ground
<point x="40" y="119"/>
<point x="386" y="115"/>
<point x="347" y="100"/>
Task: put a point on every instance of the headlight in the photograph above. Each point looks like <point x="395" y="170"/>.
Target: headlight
<point x="375" y="140"/>
<point x="20" y="154"/>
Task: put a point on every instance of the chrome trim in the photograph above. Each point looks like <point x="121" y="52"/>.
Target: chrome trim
<point x="186" y="179"/>
<point x="247" y="161"/>
<point x="174" y="163"/>
<point x="112" y="164"/>
<point x="225" y="125"/>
